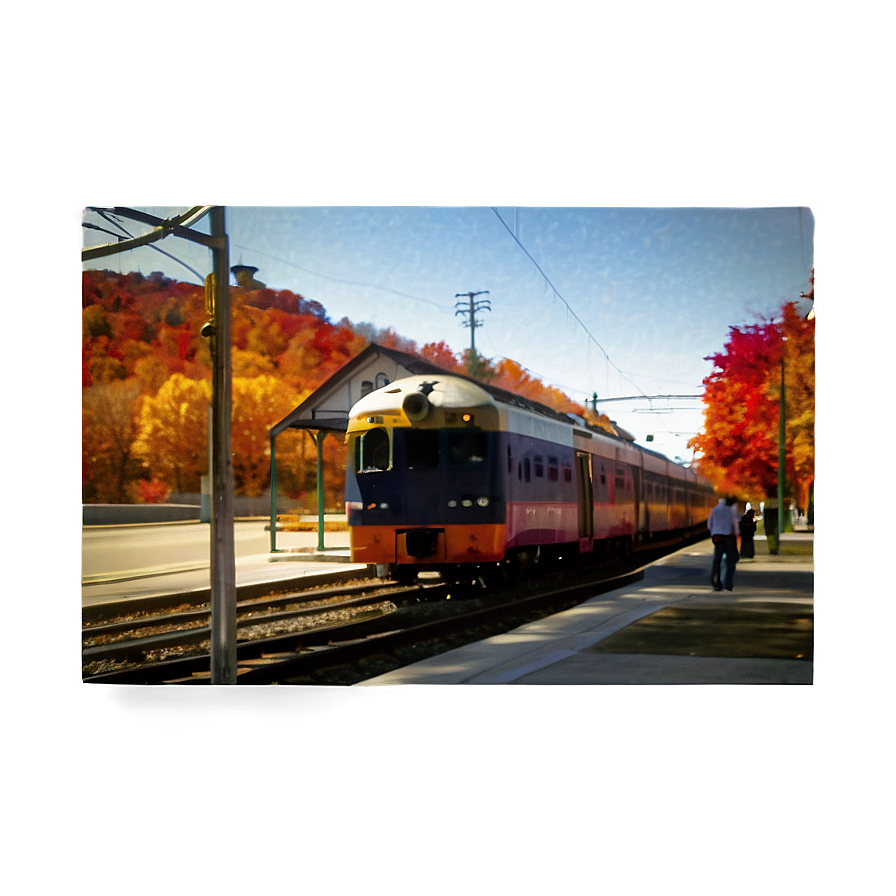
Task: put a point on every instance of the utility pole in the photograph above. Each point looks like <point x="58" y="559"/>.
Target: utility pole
<point x="472" y="307"/>
<point x="223" y="566"/>
<point x="217" y="331"/>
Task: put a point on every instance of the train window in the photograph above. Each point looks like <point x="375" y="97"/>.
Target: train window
<point x="372" y="451"/>
<point x="465" y="448"/>
<point x="527" y="470"/>
<point x="509" y="460"/>
<point x="421" y="449"/>
<point x="603" y="475"/>
<point x="567" y="474"/>
<point x="553" y="469"/>
<point x="538" y="463"/>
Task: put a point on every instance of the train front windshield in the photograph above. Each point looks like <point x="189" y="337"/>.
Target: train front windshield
<point x="379" y="450"/>
<point x="373" y="451"/>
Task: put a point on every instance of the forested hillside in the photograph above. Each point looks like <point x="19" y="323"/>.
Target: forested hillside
<point x="146" y="375"/>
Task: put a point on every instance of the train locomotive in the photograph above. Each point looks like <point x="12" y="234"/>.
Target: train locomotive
<point x="444" y="474"/>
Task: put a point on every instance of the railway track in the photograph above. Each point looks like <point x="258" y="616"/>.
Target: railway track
<point x="121" y="641"/>
<point x="341" y="635"/>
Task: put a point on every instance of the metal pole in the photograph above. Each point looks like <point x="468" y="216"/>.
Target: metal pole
<point x="320" y="489"/>
<point x="781" y="452"/>
<point x="273" y="498"/>
<point x="223" y="566"/>
<point x="205" y="512"/>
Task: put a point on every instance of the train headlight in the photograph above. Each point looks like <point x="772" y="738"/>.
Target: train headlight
<point x="416" y="406"/>
<point x="452" y="503"/>
<point x="482" y="502"/>
<point x="467" y="502"/>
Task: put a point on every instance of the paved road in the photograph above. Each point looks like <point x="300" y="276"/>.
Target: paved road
<point x="137" y="561"/>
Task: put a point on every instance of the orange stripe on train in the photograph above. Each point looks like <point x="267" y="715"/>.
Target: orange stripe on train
<point x="428" y="545"/>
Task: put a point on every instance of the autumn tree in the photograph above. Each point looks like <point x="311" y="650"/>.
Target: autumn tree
<point x="173" y="432"/>
<point x="738" y="447"/>
<point x="109" y="426"/>
<point x="441" y="354"/>
<point x="258" y="403"/>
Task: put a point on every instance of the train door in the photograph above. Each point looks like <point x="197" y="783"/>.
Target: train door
<point x="584" y="494"/>
<point x="636" y="488"/>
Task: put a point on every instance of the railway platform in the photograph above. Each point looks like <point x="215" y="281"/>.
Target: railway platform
<point x="669" y="628"/>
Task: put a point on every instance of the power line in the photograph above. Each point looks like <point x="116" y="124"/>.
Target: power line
<point x="559" y="296"/>
<point x="572" y="312"/>
<point x="647" y="397"/>
<point x="113" y="220"/>
<point x="339" y="279"/>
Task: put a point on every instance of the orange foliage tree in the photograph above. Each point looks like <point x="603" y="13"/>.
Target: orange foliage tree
<point x="440" y="353"/>
<point x="738" y="447"/>
<point x="258" y="403"/>
<point x="514" y="378"/>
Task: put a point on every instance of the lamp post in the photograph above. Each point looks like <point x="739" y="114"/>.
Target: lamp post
<point x="781" y="452"/>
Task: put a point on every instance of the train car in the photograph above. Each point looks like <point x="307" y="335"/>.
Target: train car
<point x="445" y="474"/>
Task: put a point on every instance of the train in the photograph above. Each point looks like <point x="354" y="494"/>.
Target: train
<point x="445" y="475"/>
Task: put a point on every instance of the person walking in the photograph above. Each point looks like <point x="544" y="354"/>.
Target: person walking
<point x="723" y="525"/>
<point x="747" y="531"/>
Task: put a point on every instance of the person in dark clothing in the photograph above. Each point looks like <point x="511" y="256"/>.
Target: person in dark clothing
<point x="723" y="525"/>
<point x="747" y="531"/>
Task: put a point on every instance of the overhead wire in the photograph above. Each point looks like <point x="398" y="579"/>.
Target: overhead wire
<point x="116" y="222"/>
<point x="339" y="279"/>
<point x="569" y="308"/>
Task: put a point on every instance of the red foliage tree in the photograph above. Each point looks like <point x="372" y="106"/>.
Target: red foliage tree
<point x="738" y="447"/>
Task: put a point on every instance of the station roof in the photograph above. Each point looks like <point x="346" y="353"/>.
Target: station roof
<point x="327" y="408"/>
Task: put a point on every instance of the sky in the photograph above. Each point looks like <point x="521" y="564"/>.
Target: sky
<point x="624" y="302"/>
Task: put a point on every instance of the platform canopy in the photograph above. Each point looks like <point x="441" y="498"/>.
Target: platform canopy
<point x="326" y="409"/>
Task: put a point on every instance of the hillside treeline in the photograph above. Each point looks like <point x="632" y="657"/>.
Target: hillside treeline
<point x="146" y="375"/>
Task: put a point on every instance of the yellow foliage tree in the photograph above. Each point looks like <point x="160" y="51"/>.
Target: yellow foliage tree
<point x="258" y="403"/>
<point x="173" y="432"/>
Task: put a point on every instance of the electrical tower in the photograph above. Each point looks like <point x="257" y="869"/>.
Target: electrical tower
<point x="472" y="307"/>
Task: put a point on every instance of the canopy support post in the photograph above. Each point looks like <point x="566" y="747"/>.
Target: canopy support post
<point x="319" y="441"/>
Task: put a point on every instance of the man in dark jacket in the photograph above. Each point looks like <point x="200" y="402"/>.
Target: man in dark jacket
<point x="723" y="525"/>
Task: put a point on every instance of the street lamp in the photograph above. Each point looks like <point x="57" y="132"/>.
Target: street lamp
<point x="781" y="453"/>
